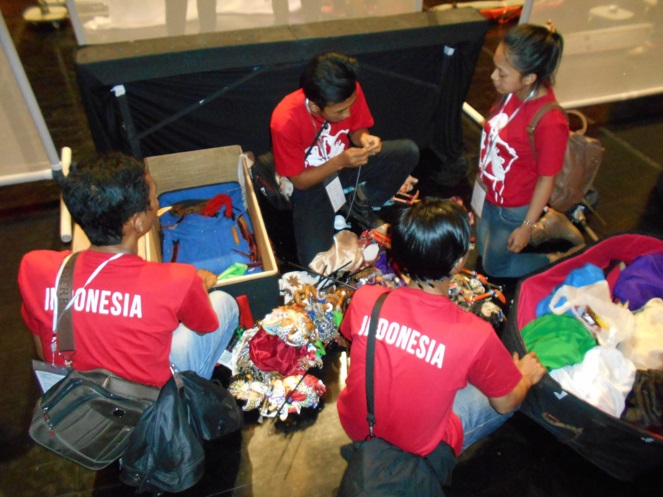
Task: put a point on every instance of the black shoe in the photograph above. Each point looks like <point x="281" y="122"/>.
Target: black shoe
<point x="362" y="212"/>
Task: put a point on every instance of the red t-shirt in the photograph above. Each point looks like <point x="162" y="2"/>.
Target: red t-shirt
<point x="507" y="160"/>
<point x="427" y="349"/>
<point x="293" y="130"/>
<point x="125" y="318"/>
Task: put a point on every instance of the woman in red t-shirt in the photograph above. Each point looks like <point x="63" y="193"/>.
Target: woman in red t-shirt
<point x="516" y="184"/>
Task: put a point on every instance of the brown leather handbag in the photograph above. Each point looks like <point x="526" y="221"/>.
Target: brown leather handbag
<point x="581" y="162"/>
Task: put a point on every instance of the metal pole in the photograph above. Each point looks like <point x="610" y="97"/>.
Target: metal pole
<point x="28" y="96"/>
<point x="75" y="20"/>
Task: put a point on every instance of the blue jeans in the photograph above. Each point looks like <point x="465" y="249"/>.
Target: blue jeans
<point x="493" y="231"/>
<point x="476" y="414"/>
<point x="200" y="353"/>
<point x="312" y="212"/>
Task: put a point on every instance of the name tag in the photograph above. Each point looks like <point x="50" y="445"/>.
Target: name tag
<point x="478" y="197"/>
<point x="47" y="374"/>
<point x="335" y="192"/>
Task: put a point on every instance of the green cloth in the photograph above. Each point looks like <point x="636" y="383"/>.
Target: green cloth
<point x="557" y="340"/>
<point x="236" y="269"/>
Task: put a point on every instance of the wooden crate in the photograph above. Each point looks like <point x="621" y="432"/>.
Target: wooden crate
<point x="205" y="167"/>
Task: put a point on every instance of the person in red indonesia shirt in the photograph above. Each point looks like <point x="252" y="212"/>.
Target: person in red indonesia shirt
<point x="442" y="376"/>
<point x="321" y="142"/>
<point x="131" y="317"/>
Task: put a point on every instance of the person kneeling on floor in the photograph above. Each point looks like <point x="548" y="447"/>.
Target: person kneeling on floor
<point x="442" y="376"/>
<point x="133" y="317"/>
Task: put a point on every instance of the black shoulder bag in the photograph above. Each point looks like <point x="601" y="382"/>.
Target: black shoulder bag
<point x="377" y="468"/>
<point x="86" y="417"/>
<point x="165" y="451"/>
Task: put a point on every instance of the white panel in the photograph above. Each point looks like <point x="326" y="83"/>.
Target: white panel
<point x="109" y="21"/>
<point x="613" y="48"/>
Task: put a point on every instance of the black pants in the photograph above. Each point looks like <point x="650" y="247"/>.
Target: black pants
<point x="312" y="212"/>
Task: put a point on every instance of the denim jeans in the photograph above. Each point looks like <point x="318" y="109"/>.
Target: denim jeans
<point x="493" y="231"/>
<point x="200" y="353"/>
<point x="312" y="213"/>
<point x="476" y="414"/>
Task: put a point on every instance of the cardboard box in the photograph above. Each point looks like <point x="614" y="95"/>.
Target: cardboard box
<point x="205" y="167"/>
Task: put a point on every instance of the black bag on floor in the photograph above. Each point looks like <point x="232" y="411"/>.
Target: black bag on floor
<point x="264" y="177"/>
<point x="213" y="409"/>
<point x="165" y="451"/>
<point x="377" y="468"/>
<point x="621" y="449"/>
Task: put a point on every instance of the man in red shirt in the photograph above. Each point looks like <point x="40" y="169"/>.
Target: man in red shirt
<point x="322" y="144"/>
<point x="131" y="317"/>
<point x="442" y="376"/>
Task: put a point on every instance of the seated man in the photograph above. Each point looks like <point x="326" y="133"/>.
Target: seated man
<point x="133" y="318"/>
<point x="320" y="136"/>
<point x="442" y="376"/>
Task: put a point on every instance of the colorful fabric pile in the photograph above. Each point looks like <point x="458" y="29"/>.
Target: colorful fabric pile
<point x="271" y="361"/>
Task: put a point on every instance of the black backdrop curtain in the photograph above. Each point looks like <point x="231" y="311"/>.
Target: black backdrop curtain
<point x="415" y="71"/>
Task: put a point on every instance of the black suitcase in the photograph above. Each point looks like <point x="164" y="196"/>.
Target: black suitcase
<point x="617" y="447"/>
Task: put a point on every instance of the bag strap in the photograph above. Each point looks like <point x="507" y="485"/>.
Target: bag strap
<point x="63" y="330"/>
<point x="535" y="122"/>
<point x="315" y="140"/>
<point x="65" y="292"/>
<point x="370" y="363"/>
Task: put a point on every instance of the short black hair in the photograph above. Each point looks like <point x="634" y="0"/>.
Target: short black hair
<point x="428" y="238"/>
<point x="533" y="49"/>
<point x="329" y="78"/>
<point x="103" y="192"/>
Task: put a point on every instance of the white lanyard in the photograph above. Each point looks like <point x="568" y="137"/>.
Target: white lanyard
<point x="318" y="135"/>
<point x="318" y="140"/>
<point x="495" y="130"/>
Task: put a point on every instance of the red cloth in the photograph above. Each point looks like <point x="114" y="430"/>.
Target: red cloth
<point x="502" y="14"/>
<point x="508" y="168"/>
<point x="126" y="321"/>
<point x="246" y="320"/>
<point x="270" y="353"/>
<point x="293" y="130"/>
<point x="214" y="204"/>
<point x="427" y="349"/>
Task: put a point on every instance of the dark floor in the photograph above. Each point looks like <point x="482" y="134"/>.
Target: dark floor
<point x="520" y="459"/>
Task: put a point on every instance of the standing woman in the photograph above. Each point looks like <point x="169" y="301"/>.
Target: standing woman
<point x="516" y="184"/>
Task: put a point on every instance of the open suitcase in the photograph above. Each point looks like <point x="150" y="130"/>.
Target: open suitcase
<point x="617" y="447"/>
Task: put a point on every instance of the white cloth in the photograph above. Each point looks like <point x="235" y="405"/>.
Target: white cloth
<point x="344" y="255"/>
<point x="603" y="379"/>
<point x="645" y="346"/>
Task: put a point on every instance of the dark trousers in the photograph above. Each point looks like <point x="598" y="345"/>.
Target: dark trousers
<point x="312" y="212"/>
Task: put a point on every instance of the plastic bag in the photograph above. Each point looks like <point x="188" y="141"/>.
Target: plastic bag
<point x="610" y="323"/>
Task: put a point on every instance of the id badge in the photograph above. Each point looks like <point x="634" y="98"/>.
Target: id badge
<point x="335" y="192"/>
<point x="48" y="375"/>
<point x="478" y="197"/>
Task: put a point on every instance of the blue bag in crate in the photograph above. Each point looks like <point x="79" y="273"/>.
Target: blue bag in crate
<point x="208" y="227"/>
